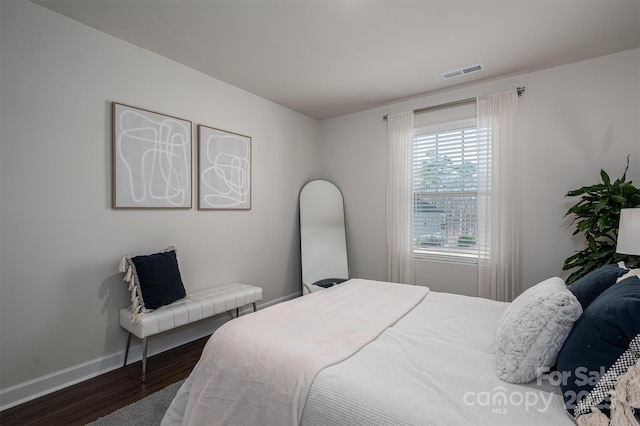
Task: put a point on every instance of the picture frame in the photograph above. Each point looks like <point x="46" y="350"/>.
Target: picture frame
<point x="151" y="159"/>
<point x="224" y="170"/>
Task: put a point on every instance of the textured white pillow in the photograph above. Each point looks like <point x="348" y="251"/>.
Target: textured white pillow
<point x="532" y="330"/>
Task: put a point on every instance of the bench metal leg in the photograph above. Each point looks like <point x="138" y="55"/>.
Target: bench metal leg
<point x="255" y="308"/>
<point x="126" y="351"/>
<point x="144" y="354"/>
<point x="144" y="358"/>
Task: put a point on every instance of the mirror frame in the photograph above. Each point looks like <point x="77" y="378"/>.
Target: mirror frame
<point x="339" y="268"/>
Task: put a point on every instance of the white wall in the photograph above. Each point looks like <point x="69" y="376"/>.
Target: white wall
<point x="61" y="241"/>
<point x="573" y="120"/>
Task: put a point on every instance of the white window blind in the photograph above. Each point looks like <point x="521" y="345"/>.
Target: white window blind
<point x="445" y="191"/>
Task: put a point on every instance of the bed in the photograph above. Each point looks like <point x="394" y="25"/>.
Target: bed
<point x="364" y="352"/>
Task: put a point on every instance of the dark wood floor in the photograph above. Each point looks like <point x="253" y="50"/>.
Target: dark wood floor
<point x="85" y="402"/>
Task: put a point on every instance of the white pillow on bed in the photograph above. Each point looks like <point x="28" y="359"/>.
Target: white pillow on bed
<point x="532" y="330"/>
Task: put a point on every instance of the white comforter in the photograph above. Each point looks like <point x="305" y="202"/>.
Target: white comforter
<point x="259" y="368"/>
<point x="435" y="366"/>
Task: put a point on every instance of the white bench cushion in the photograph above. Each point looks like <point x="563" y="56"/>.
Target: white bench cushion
<point x="194" y="307"/>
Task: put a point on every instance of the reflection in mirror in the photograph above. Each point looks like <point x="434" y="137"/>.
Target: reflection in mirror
<point x="323" y="244"/>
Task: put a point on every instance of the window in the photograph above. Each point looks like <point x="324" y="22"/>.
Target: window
<point x="445" y="163"/>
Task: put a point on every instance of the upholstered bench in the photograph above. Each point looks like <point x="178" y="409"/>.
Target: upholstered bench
<point x="194" y="307"/>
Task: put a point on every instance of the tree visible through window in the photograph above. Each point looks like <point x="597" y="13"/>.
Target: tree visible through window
<point x="445" y="164"/>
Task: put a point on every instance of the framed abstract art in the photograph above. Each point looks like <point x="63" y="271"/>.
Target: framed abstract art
<point x="224" y="170"/>
<point x="151" y="158"/>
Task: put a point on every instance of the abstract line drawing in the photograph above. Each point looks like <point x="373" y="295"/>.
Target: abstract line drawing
<point x="224" y="169"/>
<point x="151" y="159"/>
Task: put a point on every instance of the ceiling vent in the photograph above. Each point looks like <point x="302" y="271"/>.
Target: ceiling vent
<point x="462" y="71"/>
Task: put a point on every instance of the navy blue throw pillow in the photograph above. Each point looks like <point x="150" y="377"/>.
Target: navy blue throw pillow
<point x="587" y="288"/>
<point x="159" y="278"/>
<point x="603" y="345"/>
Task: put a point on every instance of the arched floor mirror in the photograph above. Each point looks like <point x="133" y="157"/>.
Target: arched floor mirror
<point x="323" y="243"/>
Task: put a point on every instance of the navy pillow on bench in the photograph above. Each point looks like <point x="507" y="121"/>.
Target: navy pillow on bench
<point x="603" y="345"/>
<point x="154" y="280"/>
<point x="159" y="278"/>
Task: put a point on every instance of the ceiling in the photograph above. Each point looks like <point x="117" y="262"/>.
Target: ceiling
<point x="325" y="58"/>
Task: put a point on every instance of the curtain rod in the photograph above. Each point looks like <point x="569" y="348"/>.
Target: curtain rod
<point x="519" y="90"/>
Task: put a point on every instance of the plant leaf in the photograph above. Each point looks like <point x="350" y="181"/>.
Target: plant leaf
<point x="601" y="204"/>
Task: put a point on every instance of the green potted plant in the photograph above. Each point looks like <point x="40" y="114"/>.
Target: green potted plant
<point x="597" y="215"/>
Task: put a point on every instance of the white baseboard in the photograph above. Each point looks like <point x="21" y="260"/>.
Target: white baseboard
<point x="40" y="386"/>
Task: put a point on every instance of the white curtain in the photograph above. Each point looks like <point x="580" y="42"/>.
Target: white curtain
<point x="498" y="204"/>
<point x="400" y="198"/>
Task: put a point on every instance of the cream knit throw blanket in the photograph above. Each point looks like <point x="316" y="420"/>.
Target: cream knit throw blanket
<point x="257" y="369"/>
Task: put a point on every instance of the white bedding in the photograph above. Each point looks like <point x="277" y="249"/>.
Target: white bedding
<point x="433" y="367"/>
<point x="436" y="366"/>
<point x="261" y="366"/>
